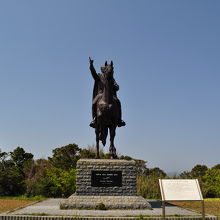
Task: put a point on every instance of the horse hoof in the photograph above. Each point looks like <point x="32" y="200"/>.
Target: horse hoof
<point x="92" y="125"/>
<point x="121" y="124"/>
<point x="114" y="156"/>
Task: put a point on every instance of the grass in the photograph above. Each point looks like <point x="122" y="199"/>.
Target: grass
<point x="212" y="206"/>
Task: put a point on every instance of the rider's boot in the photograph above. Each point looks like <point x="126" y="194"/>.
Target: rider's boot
<point x="121" y="123"/>
<point x="93" y="123"/>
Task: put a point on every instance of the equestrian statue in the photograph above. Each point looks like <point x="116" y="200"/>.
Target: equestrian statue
<point x="106" y="107"/>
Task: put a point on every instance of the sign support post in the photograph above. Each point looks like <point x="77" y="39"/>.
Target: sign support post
<point x="203" y="210"/>
<point x="163" y="206"/>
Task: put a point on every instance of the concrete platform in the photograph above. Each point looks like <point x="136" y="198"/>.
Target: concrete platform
<point x="109" y="202"/>
<point x="50" y="209"/>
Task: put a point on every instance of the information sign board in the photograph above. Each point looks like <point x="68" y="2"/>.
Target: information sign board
<point x="180" y="190"/>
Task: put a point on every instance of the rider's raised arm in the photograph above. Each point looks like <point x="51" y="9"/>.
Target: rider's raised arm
<point x="92" y="69"/>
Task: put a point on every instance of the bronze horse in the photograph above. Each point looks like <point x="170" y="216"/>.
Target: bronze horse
<point x="105" y="107"/>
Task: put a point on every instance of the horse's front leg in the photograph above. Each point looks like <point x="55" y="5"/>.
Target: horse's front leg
<point x="97" y="141"/>
<point x="112" y="149"/>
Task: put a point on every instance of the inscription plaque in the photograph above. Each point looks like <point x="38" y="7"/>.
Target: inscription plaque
<point x="106" y="178"/>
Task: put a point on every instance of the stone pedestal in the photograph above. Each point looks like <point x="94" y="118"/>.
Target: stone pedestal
<point x="108" y="182"/>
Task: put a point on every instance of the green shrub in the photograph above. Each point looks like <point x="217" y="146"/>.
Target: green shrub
<point x="56" y="183"/>
<point x="148" y="186"/>
<point x="100" y="206"/>
<point x="210" y="183"/>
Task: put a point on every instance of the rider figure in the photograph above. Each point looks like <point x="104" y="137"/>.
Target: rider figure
<point x="98" y="90"/>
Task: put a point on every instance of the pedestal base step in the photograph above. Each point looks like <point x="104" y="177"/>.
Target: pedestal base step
<point x="105" y="202"/>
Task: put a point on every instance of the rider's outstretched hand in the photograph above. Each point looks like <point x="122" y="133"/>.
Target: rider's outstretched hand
<point x="90" y="61"/>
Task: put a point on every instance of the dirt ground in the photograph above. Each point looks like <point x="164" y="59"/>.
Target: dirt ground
<point x="10" y="204"/>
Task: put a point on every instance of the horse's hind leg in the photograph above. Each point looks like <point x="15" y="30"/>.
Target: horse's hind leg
<point x="112" y="149"/>
<point x="97" y="142"/>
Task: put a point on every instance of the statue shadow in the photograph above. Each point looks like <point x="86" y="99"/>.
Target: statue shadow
<point x="158" y="204"/>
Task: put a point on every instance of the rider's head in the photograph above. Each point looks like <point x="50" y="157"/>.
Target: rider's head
<point x="108" y="69"/>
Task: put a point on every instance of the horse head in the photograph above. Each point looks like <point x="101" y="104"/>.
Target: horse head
<point x="108" y="70"/>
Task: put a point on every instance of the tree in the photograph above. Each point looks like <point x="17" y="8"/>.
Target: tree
<point x="157" y="172"/>
<point x="216" y="167"/>
<point x="11" y="182"/>
<point x="3" y="156"/>
<point x="141" y="166"/>
<point x="12" y="176"/>
<point x="35" y="172"/>
<point x="87" y="153"/>
<point x="65" y="157"/>
<point x="198" y="171"/>
<point x="211" y="183"/>
<point x="19" y="157"/>
<point x="185" y="175"/>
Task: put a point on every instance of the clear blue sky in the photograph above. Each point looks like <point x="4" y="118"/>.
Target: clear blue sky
<point x="167" y="63"/>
